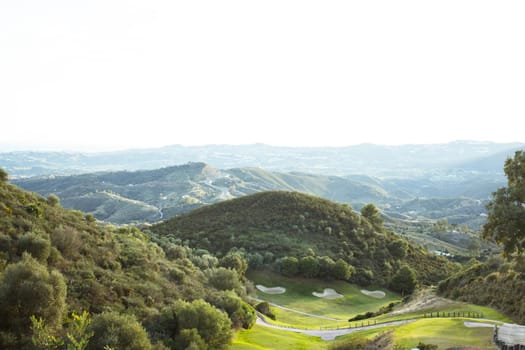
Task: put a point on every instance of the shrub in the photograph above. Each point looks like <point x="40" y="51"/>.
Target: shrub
<point x="118" y="332"/>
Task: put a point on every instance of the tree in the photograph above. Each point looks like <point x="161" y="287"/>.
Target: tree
<point x="289" y="266"/>
<point x="3" y="175"/>
<point x="37" y="245"/>
<point x="111" y="329"/>
<point x="372" y="214"/>
<point x="235" y="262"/>
<point x="326" y="266"/>
<point x="404" y="281"/>
<point x="223" y="279"/>
<point x="309" y="267"/>
<point x="211" y="325"/>
<point x="506" y="219"/>
<point x="398" y="248"/>
<point x="27" y="288"/>
<point x="342" y="270"/>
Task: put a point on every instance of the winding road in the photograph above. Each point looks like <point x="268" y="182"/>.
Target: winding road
<point x="329" y="334"/>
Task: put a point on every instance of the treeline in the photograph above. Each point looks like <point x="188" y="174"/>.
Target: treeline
<point x="66" y="280"/>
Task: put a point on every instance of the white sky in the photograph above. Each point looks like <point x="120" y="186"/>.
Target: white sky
<point x="119" y="74"/>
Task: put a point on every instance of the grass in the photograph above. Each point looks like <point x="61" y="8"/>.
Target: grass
<point x="263" y="338"/>
<point x="444" y="332"/>
<point x="299" y="296"/>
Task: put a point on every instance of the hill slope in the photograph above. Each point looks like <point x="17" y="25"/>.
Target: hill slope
<point x="153" y="195"/>
<point x="279" y="224"/>
<point x="54" y="262"/>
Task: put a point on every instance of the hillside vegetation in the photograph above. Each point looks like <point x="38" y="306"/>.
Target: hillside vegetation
<point x="123" y="290"/>
<point x="273" y="228"/>
<point x="494" y="283"/>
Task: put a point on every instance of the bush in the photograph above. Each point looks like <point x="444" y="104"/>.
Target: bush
<point x="118" y="332"/>
<point x="38" y="246"/>
<point x="27" y="288"/>
<point x="264" y="308"/>
<point x="3" y="175"/>
<point x="289" y="266"/>
<point x="404" y="281"/>
<point x="223" y="279"/>
<point x="211" y="325"/>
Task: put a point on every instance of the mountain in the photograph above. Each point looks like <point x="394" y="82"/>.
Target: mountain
<point x="367" y="159"/>
<point x="278" y="224"/>
<point x="153" y="195"/>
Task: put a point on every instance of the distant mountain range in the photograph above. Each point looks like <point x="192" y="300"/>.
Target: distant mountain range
<point x="375" y="160"/>
<point x="153" y="195"/>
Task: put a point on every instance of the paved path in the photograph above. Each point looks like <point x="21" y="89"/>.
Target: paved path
<point x="329" y="334"/>
<point x="511" y="334"/>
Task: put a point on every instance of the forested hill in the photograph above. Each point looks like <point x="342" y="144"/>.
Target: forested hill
<point x="273" y="225"/>
<point x="55" y="262"/>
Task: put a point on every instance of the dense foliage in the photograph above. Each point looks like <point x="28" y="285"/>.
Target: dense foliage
<point x="499" y="283"/>
<point x="506" y="219"/>
<point x="494" y="283"/>
<point x="299" y="234"/>
<point x="55" y="262"/>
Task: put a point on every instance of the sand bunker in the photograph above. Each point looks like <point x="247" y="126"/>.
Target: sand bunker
<point x="271" y="290"/>
<point x="374" y="293"/>
<point x="328" y="293"/>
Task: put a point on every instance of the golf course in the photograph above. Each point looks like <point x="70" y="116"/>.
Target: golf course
<point x="310" y="313"/>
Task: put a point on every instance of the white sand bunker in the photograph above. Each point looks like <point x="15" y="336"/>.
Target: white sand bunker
<point x="374" y="293"/>
<point x="271" y="290"/>
<point x="328" y="293"/>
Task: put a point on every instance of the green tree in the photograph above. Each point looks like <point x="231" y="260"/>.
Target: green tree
<point x="372" y="214"/>
<point x="398" y="248"/>
<point x="27" y="288"/>
<point x="342" y="270"/>
<point x="3" y="175"/>
<point x="212" y="325"/>
<point x="39" y="246"/>
<point x="309" y="267"/>
<point x="235" y="262"/>
<point x="118" y="332"/>
<point x="506" y="219"/>
<point x="326" y="266"/>
<point x="53" y="200"/>
<point x="223" y="279"/>
<point x="404" y="281"/>
<point x="289" y="266"/>
<point x="241" y="314"/>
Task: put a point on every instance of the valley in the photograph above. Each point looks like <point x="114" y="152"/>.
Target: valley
<point x="272" y="258"/>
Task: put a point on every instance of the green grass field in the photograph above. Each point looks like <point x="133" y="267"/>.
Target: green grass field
<point x="445" y="332"/>
<point x="299" y="296"/>
<point x="263" y="338"/>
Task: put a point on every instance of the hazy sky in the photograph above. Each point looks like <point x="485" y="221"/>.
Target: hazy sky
<point x="119" y="74"/>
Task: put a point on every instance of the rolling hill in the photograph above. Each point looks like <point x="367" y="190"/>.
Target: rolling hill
<point x="277" y="224"/>
<point x="153" y="195"/>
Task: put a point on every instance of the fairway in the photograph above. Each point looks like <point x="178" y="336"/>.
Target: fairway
<point x="300" y="296"/>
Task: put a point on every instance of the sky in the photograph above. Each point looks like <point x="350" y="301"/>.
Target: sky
<point x="106" y="75"/>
